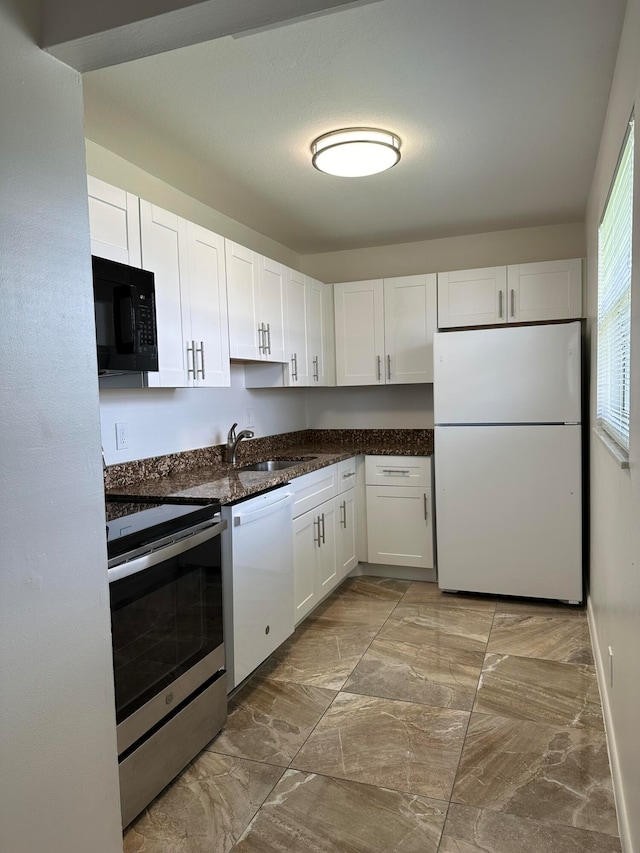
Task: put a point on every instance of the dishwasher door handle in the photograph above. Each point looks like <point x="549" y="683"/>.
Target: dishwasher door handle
<point x="261" y="512"/>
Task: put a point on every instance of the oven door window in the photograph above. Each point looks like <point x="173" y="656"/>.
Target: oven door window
<point x="164" y="620"/>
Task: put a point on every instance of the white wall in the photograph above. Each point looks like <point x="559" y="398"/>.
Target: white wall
<point x="382" y="407"/>
<point x="59" y="783"/>
<point x="109" y="167"/>
<point x="171" y="420"/>
<point x="518" y="245"/>
<point x="615" y="492"/>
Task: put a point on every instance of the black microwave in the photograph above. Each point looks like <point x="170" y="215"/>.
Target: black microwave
<point x="125" y="311"/>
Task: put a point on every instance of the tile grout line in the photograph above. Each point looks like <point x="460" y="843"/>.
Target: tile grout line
<point x="466" y="732"/>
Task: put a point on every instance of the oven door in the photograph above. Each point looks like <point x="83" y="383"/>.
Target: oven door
<point x="166" y="621"/>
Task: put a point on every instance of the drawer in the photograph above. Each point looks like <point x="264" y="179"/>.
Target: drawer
<point x="346" y="474"/>
<point x="398" y="470"/>
<point x="312" y="489"/>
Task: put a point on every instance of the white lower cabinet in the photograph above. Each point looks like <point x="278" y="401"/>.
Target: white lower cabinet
<point x="400" y="513"/>
<point x="346" y="534"/>
<point x="315" y="569"/>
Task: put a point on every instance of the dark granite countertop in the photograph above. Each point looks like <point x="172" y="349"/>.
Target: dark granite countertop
<point x="201" y="476"/>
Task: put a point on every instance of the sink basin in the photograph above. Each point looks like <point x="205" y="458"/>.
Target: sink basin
<point x="274" y="464"/>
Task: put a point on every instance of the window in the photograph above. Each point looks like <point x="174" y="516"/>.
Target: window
<point x="614" y="300"/>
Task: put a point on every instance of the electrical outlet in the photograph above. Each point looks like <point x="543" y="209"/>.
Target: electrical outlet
<point x="610" y="666"/>
<point x="122" y="436"/>
<point x="249" y="418"/>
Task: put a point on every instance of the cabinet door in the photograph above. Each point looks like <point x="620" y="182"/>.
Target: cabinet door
<point x="399" y="529"/>
<point x="271" y="308"/>
<point x="295" y="371"/>
<point x="409" y="324"/>
<point x="114" y="218"/>
<point x="472" y="297"/>
<point x="162" y="235"/>
<point x="242" y="299"/>
<point x="346" y="544"/>
<point x="306" y="557"/>
<point x="359" y="313"/>
<point x="328" y="576"/>
<point x="315" y="331"/>
<point x="545" y="291"/>
<point x="208" y="328"/>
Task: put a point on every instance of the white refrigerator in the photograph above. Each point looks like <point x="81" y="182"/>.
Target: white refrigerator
<point x="508" y="460"/>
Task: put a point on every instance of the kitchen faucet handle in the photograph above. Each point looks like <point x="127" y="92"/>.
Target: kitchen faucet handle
<point x="231" y="435"/>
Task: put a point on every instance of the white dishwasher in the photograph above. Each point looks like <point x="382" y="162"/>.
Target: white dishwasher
<point x="257" y="577"/>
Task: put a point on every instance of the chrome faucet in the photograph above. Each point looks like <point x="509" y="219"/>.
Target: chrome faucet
<point x="234" y="440"/>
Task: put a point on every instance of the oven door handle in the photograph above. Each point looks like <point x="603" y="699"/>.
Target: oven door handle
<point x="146" y="561"/>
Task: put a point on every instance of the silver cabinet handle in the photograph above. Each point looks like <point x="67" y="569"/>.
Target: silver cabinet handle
<point x="261" y="338"/>
<point x="294" y="367"/>
<point x="268" y="331"/>
<point x="426" y="509"/>
<point x="389" y="367"/>
<point x="348" y="474"/>
<point x="512" y="296"/>
<point x="316" y="369"/>
<point x="343" y="514"/>
<point x="323" y="538"/>
<point x="500" y="296"/>
<point x="379" y="368"/>
<point x="200" y="351"/>
<point x="316" y="524"/>
<point x="395" y="470"/>
<point x="191" y="371"/>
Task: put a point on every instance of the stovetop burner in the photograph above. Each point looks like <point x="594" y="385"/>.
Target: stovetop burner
<point x="131" y="525"/>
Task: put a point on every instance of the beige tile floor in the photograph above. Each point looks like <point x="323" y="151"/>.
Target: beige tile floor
<point x="398" y="718"/>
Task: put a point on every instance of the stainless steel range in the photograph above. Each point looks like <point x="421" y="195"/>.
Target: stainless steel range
<point x="165" y="584"/>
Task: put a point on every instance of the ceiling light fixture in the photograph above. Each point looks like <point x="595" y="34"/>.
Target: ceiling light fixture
<point x="355" y="152"/>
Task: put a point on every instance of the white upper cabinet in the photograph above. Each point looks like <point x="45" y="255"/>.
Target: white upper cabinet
<point x="384" y="330"/>
<point x="551" y="290"/>
<point x="204" y="314"/>
<point x="162" y="234"/>
<point x="115" y="223"/>
<point x="520" y="293"/>
<point x="316" y="331"/>
<point x="245" y="339"/>
<point x="306" y="329"/>
<point x="255" y="292"/>
<point x="472" y="297"/>
<point x="271" y="287"/>
<point x="409" y="324"/>
<point x="188" y="263"/>
<point x="359" y="307"/>
<point x="295" y="371"/>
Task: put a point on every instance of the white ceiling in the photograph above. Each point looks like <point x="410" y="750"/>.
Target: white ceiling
<point x="499" y="105"/>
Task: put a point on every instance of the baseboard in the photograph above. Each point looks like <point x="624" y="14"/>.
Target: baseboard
<point x="616" y="776"/>
<point x="405" y="573"/>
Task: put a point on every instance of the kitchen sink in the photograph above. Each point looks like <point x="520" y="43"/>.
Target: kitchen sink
<point x="274" y="464"/>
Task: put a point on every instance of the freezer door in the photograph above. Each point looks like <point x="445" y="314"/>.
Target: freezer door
<point x="521" y="374"/>
<point x="508" y="510"/>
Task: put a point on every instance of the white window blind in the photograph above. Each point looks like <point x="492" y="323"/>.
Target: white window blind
<point x="614" y="300"/>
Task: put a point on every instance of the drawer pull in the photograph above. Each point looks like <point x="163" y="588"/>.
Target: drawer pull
<point x="395" y="470"/>
<point x="349" y="474"/>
